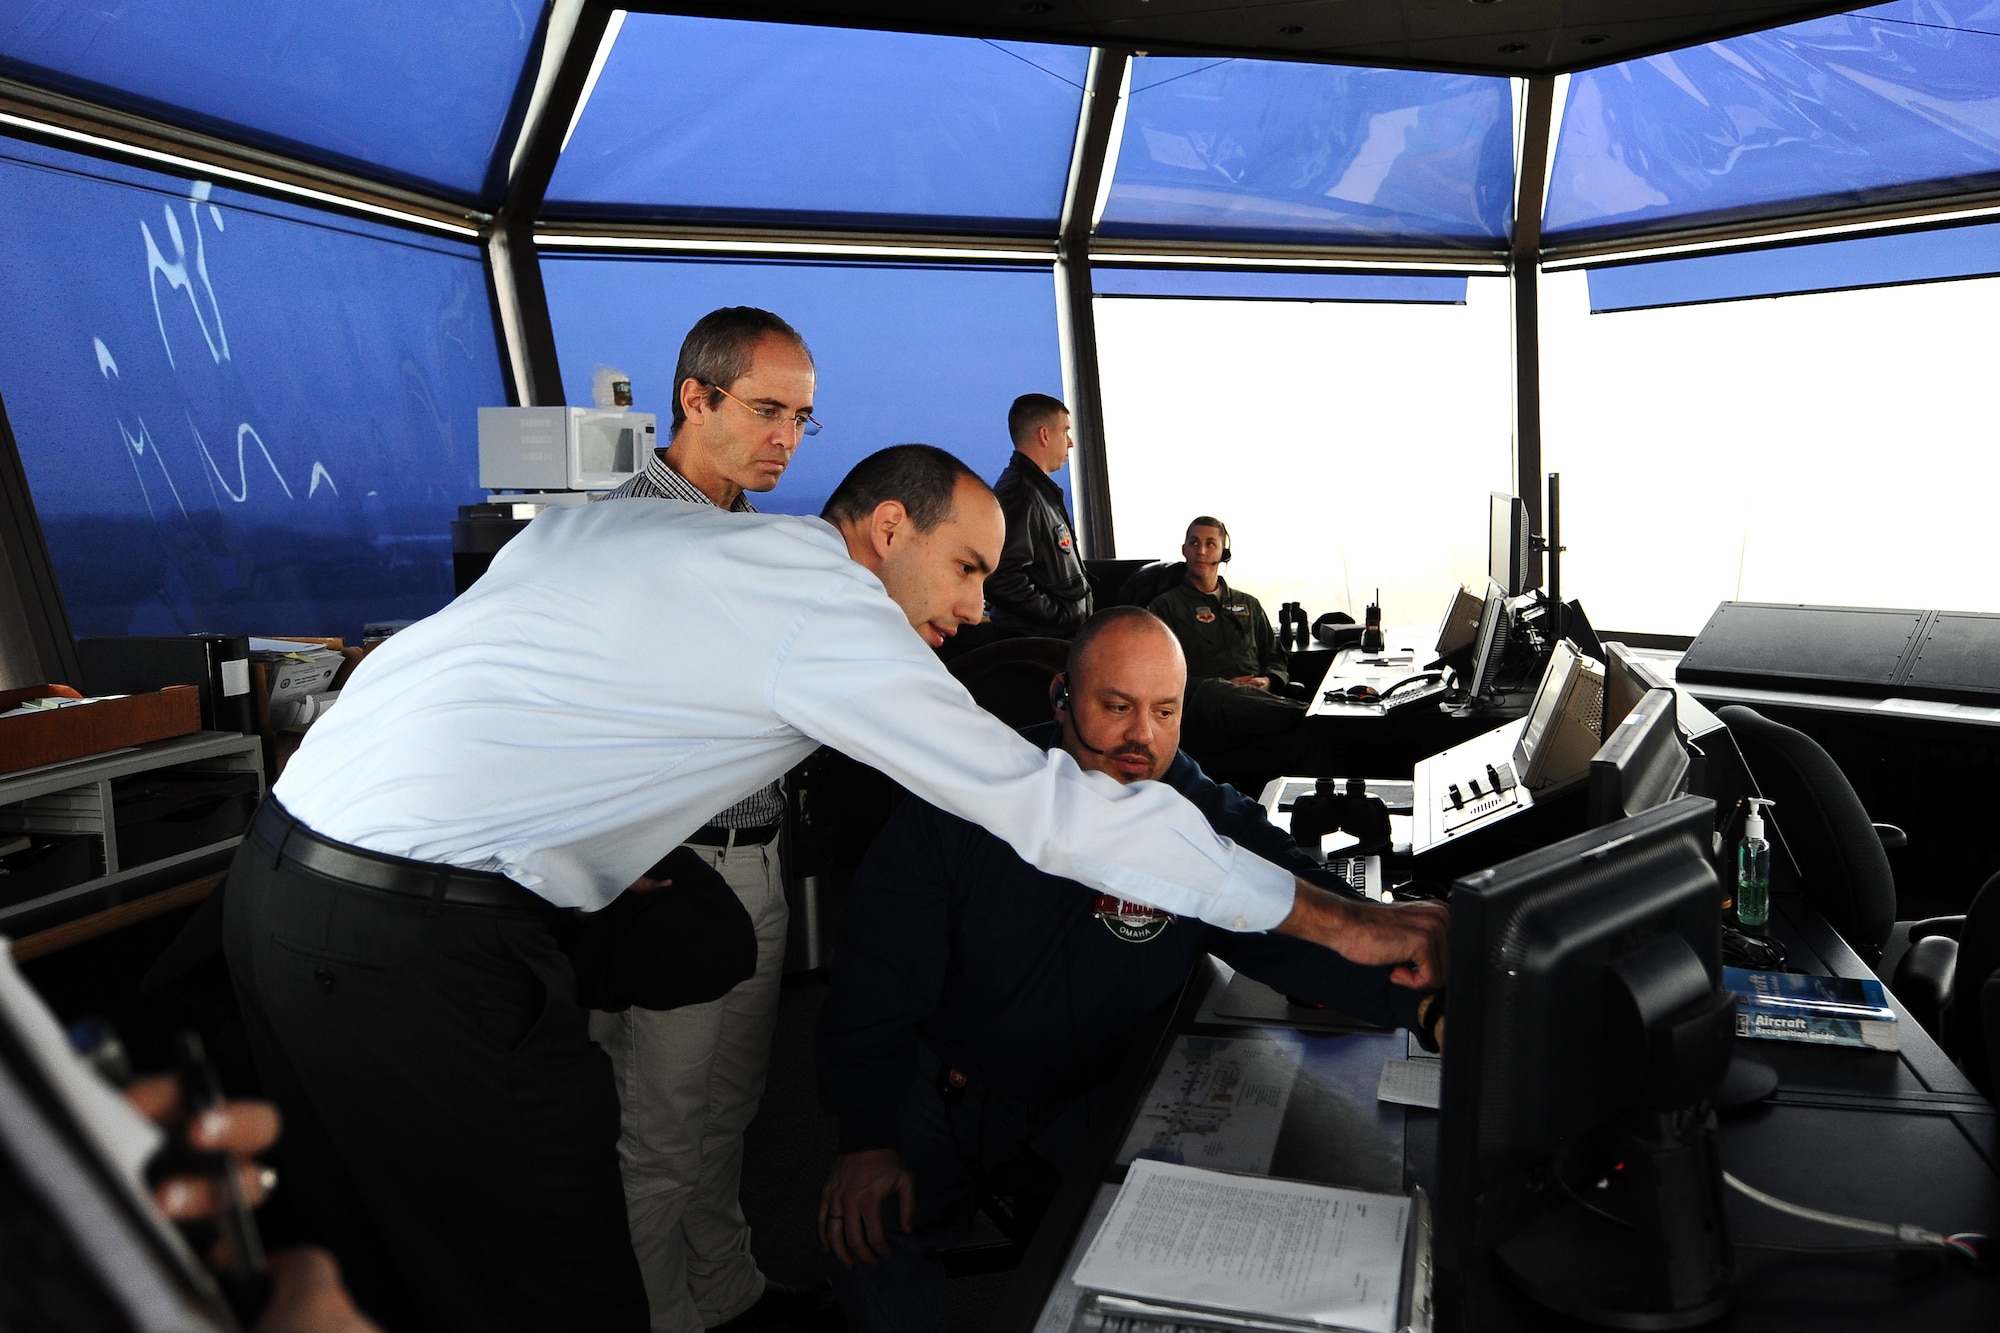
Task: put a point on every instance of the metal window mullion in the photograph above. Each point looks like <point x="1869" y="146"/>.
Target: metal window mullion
<point x="1076" y="317"/>
<point x="522" y="325"/>
<point x="1531" y="163"/>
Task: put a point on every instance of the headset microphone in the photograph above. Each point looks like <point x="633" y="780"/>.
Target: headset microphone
<point x="1061" y="701"/>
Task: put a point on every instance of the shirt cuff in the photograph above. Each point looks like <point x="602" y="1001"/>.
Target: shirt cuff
<point x="1257" y="896"/>
<point x="863" y="1128"/>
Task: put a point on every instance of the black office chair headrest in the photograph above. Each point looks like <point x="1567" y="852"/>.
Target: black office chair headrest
<point x="1151" y="580"/>
<point x="1845" y="872"/>
<point x="1010" y="679"/>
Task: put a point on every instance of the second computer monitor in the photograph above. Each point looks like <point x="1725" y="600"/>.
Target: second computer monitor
<point x="1489" y="643"/>
<point x="1510" y="552"/>
<point x="1642" y="763"/>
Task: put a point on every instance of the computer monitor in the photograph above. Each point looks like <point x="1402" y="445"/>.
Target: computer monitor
<point x="1627" y="678"/>
<point x="1564" y="722"/>
<point x="1489" y="644"/>
<point x="1589" y="1032"/>
<point x="1642" y="763"/>
<point x="1510" y="552"/>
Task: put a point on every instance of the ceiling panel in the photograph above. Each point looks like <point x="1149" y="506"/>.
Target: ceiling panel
<point x="1507" y="37"/>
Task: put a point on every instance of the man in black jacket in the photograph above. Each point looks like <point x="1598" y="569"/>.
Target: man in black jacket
<point x="1039" y="587"/>
<point x="977" y="1003"/>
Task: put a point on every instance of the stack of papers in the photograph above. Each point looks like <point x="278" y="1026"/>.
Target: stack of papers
<point x="1279" y="1249"/>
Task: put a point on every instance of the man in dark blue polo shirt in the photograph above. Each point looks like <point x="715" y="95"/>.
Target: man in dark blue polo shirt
<point x="977" y="1003"/>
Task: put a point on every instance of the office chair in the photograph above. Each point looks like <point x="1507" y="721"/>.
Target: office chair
<point x="1010" y="678"/>
<point x="1843" y="862"/>
<point x="1970" y="1022"/>
<point x="1149" y="581"/>
<point x="1838" y="849"/>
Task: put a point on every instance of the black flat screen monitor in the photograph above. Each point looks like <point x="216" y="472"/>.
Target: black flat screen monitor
<point x="1588" y="1031"/>
<point x="1489" y="642"/>
<point x="1642" y="763"/>
<point x="1510" y="554"/>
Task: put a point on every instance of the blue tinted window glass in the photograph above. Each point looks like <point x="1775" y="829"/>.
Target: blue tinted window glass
<point x="709" y="119"/>
<point x="420" y="92"/>
<point x="1870" y="261"/>
<point x="935" y="355"/>
<point x="1239" y="286"/>
<point x="236" y="416"/>
<point x="1902" y="100"/>
<point x="1269" y="151"/>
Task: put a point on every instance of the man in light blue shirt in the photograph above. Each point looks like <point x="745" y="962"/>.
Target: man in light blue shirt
<point x="537" y="745"/>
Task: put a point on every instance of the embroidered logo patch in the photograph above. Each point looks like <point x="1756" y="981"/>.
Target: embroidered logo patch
<point x="1134" y="923"/>
<point x="1205" y="616"/>
<point x="1063" y="541"/>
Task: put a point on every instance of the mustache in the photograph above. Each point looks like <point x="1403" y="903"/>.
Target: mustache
<point x="1142" y="751"/>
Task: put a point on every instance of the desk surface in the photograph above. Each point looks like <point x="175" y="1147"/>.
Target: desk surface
<point x="1406" y="650"/>
<point x="1899" y="1137"/>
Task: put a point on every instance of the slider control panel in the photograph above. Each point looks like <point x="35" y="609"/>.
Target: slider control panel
<point x="1474" y="796"/>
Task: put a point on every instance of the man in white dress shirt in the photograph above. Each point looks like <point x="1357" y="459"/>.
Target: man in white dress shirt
<point x="689" y="1079"/>
<point x="542" y="741"/>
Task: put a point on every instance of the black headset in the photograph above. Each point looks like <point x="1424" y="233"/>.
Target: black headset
<point x="1060" y="700"/>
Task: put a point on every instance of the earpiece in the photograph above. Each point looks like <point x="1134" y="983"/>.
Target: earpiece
<point x="1060" y="702"/>
<point x="1225" y="555"/>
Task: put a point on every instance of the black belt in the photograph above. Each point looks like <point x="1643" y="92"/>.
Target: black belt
<point x="715" y="835"/>
<point x="296" y="843"/>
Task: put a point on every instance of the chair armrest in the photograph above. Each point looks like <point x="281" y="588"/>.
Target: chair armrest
<point x="1892" y="837"/>
<point x="1924" y="977"/>
<point x="1948" y="926"/>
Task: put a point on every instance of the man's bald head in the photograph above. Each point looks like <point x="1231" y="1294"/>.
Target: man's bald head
<point x="1130" y="628"/>
<point x="1119" y="698"/>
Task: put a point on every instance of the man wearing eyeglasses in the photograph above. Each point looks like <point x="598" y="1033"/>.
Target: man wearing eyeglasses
<point x="689" y="1079"/>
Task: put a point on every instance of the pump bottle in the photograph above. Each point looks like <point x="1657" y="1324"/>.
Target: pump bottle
<point x="1753" y="869"/>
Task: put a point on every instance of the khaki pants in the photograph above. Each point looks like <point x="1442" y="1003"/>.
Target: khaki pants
<point x="689" y="1080"/>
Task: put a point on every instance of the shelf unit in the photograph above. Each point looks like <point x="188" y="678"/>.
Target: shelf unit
<point x="77" y="798"/>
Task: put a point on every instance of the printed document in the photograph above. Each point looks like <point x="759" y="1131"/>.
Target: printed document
<point x="1186" y="1236"/>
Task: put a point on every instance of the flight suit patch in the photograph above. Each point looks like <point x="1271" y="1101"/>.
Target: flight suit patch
<point x="1134" y="923"/>
<point x="1205" y="616"/>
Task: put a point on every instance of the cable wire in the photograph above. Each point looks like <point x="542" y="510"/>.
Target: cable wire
<point x="1901" y="1232"/>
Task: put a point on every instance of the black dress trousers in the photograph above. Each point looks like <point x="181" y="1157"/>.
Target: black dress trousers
<point x="450" y="1130"/>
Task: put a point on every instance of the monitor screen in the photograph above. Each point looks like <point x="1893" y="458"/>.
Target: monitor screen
<point x="1589" y="1029"/>
<point x="1490" y="643"/>
<point x="1642" y="764"/>
<point x="1509" y="552"/>
<point x="1563" y="722"/>
<point x="1627" y="677"/>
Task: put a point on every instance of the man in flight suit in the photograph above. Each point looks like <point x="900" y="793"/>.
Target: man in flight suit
<point x="1235" y="665"/>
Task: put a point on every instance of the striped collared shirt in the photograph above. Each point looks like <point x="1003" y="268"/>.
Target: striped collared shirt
<point x="661" y="482"/>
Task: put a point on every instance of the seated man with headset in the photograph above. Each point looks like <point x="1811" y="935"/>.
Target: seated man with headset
<point x="977" y="1003"/>
<point x="1236" y="704"/>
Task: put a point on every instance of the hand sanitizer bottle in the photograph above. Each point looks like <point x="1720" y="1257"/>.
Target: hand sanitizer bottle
<point x="1753" y="869"/>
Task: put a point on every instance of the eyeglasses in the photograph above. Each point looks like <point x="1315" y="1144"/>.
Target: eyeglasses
<point x="773" y="416"/>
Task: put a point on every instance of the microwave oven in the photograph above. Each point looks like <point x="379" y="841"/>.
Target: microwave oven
<point x="562" y="448"/>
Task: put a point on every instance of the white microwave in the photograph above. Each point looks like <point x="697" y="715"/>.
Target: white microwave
<point x="562" y="448"/>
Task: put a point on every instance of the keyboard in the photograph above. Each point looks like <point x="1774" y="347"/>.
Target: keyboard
<point x="1363" y="872"/>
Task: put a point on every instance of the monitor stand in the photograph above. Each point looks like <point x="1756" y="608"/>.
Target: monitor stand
<point x="1656" y="1252"/>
